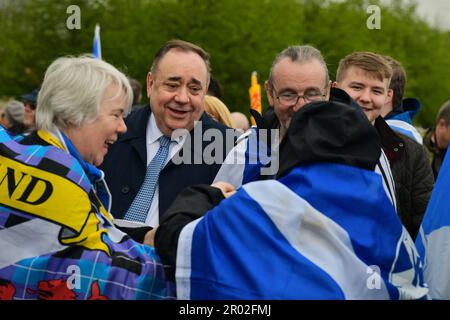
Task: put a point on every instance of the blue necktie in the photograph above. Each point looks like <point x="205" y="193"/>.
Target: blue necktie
<point x="141" y="204"/>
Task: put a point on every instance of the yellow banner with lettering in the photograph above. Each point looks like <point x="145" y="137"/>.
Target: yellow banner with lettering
<point x="53" y="198"/>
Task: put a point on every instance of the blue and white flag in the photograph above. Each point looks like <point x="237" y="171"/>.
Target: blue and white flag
<point x="406" y="129"/>
<point x="433" y="241"/>
<point x="248" y="160"/>
<point x="252" y="160"/>
<point x="97" y="49"/>
<point x="324" y="231"/>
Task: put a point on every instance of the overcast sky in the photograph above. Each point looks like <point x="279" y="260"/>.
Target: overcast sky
<point x="436" y="12"/>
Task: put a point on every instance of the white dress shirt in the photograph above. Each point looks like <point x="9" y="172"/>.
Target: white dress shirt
<point x="151" y="141"/>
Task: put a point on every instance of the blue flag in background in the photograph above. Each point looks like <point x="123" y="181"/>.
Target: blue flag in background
<point x="433" y="241"/>
<point x="97" y="49"/>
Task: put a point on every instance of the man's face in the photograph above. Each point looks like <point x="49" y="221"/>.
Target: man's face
<point x="442" y="134"/>
<point x="291" y="79"/>
<point x="177" y="90"/>
<point x="368" y="91"/>
<point x="92" y="140"/>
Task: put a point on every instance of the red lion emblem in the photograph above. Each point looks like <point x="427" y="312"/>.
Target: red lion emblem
<point x="7" y="291"/>
<point x="57" y="289"/>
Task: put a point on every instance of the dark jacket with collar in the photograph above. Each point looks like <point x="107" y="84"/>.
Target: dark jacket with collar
<point x="412" y="174"/>
<point x="126" y="162"/>
<point x="410" y="168"/>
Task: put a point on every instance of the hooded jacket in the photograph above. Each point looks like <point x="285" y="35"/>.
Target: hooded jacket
<point x="330" y="132"/>
<point x="310" y="234"/>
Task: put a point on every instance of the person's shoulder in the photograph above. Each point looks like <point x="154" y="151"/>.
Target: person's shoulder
<point x="409" y="142"/>
<point x="413" y="149"/>
<point x="33" y="139"/>
<point x="42" y="149"/>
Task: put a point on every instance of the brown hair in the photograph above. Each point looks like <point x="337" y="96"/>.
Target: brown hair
<point x="372" y="63"/>
<point x="398" y="81"/>
<point x="182" y="46"/>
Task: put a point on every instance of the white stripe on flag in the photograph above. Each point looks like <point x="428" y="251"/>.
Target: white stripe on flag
<point x="232" y="169"/>
<point x="183" y="263"/>
<point x="317" y="238"/>
<point x="437" y="269"/>
<point x="28" y="239"/>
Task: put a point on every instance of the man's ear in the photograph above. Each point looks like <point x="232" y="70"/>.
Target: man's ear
<point x="335" y="84"/>
<point x="389" y="96"/>
<point x="150" y="83"/>
<point x="269" y="92"/>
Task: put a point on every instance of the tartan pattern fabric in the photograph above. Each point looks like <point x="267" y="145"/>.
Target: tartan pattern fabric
<point x="141" y="204"/>
<point x="79" y="274"/>
<point x="62" y="252"/>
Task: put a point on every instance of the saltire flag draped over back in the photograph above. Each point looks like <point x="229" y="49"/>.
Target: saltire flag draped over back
<point x="255" y="95"/>
<point x="334" y="235"/>
<point x="433" y="241"/>
<point x="97" y="48"/>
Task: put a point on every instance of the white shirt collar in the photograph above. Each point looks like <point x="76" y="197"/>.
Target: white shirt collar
<point x="153" y="132"/>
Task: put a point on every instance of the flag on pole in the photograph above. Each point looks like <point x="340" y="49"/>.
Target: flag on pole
<point x="255" y="95"/>
<point x="433" y="240"/>
<point x="97" y="49"/>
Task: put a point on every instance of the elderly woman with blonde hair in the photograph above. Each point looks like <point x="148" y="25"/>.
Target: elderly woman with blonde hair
<point x="218" y="111"/>
<point x="62" y="242"/>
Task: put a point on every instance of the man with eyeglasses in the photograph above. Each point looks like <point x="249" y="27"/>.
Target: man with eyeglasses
<point x="298" y="76"/>
<point x="244" y="244"/>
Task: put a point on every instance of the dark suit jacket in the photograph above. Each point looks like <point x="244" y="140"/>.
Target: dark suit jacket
<point x="126" y="162"/>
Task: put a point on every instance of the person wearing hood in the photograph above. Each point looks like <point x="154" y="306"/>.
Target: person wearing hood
<point x="317" y="231"/>
<point x="298" y="76"/>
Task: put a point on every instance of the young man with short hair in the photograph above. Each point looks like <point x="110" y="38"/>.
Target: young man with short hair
<point x="366" y="76"/>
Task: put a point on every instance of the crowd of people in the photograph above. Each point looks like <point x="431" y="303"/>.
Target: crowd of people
<point x="96" y="204"/>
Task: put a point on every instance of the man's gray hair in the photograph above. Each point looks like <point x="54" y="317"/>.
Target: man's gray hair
<point x="444" y="113"/>
<point x="72" y="91"/>
<point x="301" y="54"/>
<point x="14" y="111"/>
